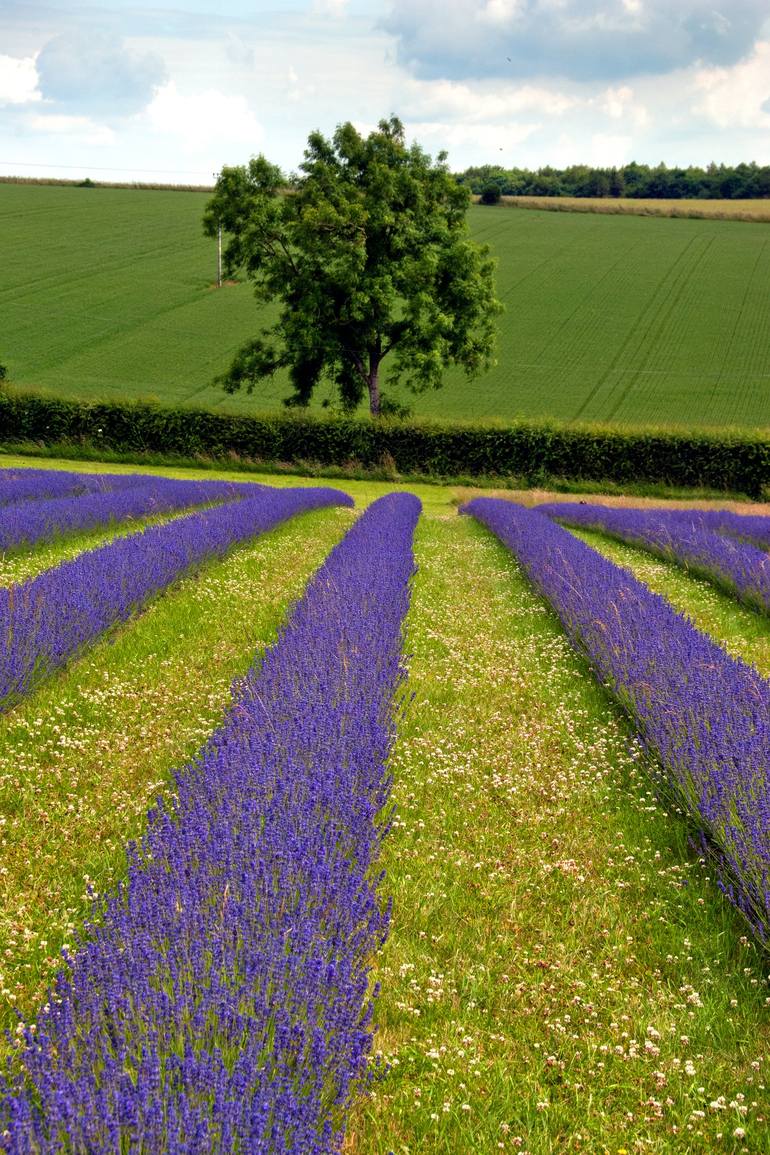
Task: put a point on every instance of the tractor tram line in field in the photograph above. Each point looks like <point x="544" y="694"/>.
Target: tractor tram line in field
<point x="561" y="971"/>
<point x="92" y="320"/>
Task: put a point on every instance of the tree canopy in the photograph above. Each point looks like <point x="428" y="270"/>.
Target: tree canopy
<point x="369" y="253"/>
<point x="742" y="181"/>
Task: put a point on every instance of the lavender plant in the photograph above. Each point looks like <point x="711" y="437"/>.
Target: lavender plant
<point x="47" y="620"/>
<point x="749" y="527"/>
<point x="705" y="715"/>
<point x="36" y="484"/>
<point x="220" y="1002"/>
<point x="26" y="523"/>
<point x="680" y="536"/>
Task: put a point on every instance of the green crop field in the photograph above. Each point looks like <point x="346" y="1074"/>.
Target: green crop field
<point x="110" y="293"/>
<point x="562" y="972"/>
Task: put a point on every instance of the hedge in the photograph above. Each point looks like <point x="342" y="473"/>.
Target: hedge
<point x="721" y="460"/>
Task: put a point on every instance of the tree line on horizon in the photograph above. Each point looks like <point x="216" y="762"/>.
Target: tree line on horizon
<point x="716" y="182"/>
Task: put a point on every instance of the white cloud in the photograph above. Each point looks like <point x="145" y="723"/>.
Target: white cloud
<point x="238" y="52"/>
<point x="78" y="129"/>
<point x="256" y="85"/>
<point x="734" y="97"/>
<point x="18" y="80"/>
<point x="621" y="104"/>
<point x="88" y="70"/>
<point x="296" y="91"/>
<point x="487" y="140"/>
<point x="609" y="149"/>
<point x="483" y="102"/>
<point x="614" y="101"/>
<point x="599" y="149"/>
<point x="498" y="11"/>
<point x="586" y="40"/>
<point x="335" y="8"/>
<point x="203" y="118"/>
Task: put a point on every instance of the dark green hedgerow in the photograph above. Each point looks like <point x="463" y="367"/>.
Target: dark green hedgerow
<point x="726" y="461"/>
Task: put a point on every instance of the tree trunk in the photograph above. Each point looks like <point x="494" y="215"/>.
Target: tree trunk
<point x="374" y="392"/>
<point x="372" y="378"/>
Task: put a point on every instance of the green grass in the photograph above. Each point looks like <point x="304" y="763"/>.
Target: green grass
<point x="108" y="293"/>
<point x="561" y="975"/>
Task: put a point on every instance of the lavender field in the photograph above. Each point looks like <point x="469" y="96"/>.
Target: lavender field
<point x="368" y="819"/>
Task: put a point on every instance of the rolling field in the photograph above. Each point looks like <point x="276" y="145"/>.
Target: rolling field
<point x="108" y="293"/>
<point x="561" y="973"/>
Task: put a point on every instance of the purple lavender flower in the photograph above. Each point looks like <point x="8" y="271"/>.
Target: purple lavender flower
<point x="221" y="1002"/>
<point x="749" y="527"/>
<point x="46" y="620"/>
<point x="705" y="715"/>
<point x="36" y="484"/>
<point x="25" y="523"/>
<point x="680" y="536"/>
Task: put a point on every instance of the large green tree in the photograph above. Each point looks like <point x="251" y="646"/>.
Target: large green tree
<point x="369" y="254"/>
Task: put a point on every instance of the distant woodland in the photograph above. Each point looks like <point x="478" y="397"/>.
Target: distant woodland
<point x="717" y="182"/>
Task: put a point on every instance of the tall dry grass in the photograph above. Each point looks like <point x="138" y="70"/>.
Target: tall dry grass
<point x="538" y="496"/>
<point x="78" y="183"/>
<point x="722" y="210"/>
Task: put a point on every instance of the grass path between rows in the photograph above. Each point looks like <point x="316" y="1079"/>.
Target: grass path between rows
<point x="743" y="632"/>
<point x="561" y="973"/>
<point x="83" y="757"/>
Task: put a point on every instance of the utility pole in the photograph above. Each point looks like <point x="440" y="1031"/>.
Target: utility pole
<point x="219" y="244"/>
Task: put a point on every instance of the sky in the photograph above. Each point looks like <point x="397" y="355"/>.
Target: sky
<point x="172" y="90"/>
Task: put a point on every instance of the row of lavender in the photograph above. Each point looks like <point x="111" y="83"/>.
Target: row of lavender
<point x="36" y="484"/>
<point x="55" y="615"/>
<point x="705" y="715"/>
<point x="689" y="538"/>
<point x="39" y="516"/>
<point x="221" y="1002"/>
<point x="754" y="528"/>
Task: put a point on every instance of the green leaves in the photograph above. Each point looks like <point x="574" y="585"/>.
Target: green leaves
<point x="369" y="253"/>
